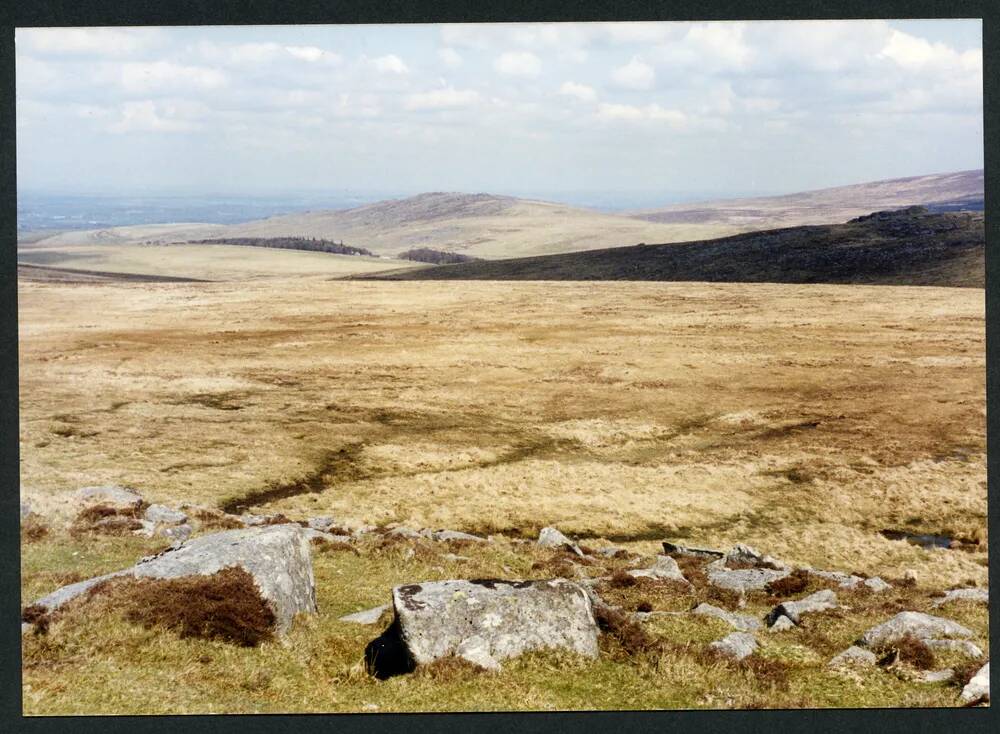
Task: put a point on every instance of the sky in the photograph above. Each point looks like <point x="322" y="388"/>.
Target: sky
<point x="674" y="109"/>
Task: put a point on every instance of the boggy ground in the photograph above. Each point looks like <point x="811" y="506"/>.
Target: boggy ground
<point x="800" y="419"/>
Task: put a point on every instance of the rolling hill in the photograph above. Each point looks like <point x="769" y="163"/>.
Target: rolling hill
<point x="938" y="192"/>
<point x="495" y="227"/>
<point x="903" y="247"/>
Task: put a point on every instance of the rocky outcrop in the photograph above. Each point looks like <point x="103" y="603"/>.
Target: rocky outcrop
<point x="276" y="556"/>
<point x="681" y="550"/>
<point x="743" y="569"/>
<point x="484" y="621"/>
<point x="914" y="624"/>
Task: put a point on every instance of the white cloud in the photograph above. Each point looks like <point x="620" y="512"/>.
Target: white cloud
<point x="147" y="116"/>
<point x="164" y="75"/>
<point x="112" y="42"/>
<point x="442" y="99"/>
<point x="518" y="63"/>
<point x="635" y="75"/>
<point x="450" y="56"/>
<point x="652" y="113"/>
<point x="390" y="64"/>
<point x="580" y="91"/>
<point x="313" y="54"/>
<point x="915" y="53"/>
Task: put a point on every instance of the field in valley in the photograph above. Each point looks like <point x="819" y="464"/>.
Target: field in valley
<point x="802" y="420"/>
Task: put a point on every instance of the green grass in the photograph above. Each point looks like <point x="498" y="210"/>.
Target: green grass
<point x="93" y="662"/>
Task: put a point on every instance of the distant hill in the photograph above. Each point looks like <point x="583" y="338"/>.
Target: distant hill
<point x="938" y="192"/>
<point x="494" y="227"/>
<point x="904" y="247"/>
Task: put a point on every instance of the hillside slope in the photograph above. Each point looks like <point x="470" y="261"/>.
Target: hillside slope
<point x="939" y="192"/>
<point x="904" y="247"/>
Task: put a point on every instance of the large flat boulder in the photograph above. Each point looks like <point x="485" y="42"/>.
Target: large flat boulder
<point x="736" y="645"/>
<point x="276" y="556"/>
<point x="979" y="596"/>
<point x="664" y="568"/>
<point x="979" y="687"/>
<point x="741" y="622"/>
<point x="914" y="624"/>
<point x="483" y="621"/>
<point x="120" y="498"/>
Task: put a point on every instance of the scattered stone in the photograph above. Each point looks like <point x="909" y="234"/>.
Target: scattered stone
<point x="962" y="647"/>
<point x="25" y="509"/>
<point x="664" y="567"/>
<point x="743" y="555"/>
<point x="313" y="534"/>
<point x="119" y="498"/>
<point x="910" y="576"/>
<point x="854" y="656"/>
<point x="819" y="601"/>
<point x="252" y="521"/>
<point x="552" y="538"/>
<point x="446" y="535"/>
<point x="877" y="585"/>
<point x="277" y="556"/>
<point x="916" y="624"/>
<point x="323" y="523"/>
<point x="163" y="515"/>
<point x="611" y="551"/>
<point x="402" y="532"/>
<point x="368" y="616"/>
<point x="935" y="676"/>
<point x="455" y="559"/>
<point x="736" y="645"/>
<point x="979" y="687"/>
<point x="646" y="616"/>
<point x="672" y="548"/>
<point x="974" y="595"/>
<point x="741" y="580"/>
<point x="781" y="624"/>
<point x="441" y="618"/>
<point x="178" y="533"/>
<point x="362" y="530"/>
<point x="26" y="627"/>
<point x="742" y="622"/>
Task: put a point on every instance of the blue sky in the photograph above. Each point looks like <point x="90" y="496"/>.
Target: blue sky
<point x="678" y="108"/>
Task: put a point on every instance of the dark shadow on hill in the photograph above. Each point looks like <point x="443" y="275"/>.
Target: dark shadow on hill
<point x="904" y="247"/>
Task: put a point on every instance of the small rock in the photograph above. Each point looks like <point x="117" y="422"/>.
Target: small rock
<point x="323" y="523"/>
<point x="455" y="559"/>
<point x="26" y="627"/>
<point x="446" y="535"/>
<point x="781" y="624"/>
<point x="368" y="616"/>
<point x="818" y="602"/>
<point x="854" y="656"/>
<point x="844" y="580"/>
<point x="741" y="554"/>
<point x="962" y="647"/>
<point x="917" y="624"/>
<point x="741" y="580"/>
<point x="552" y="538"/>
<point x="736" y="645"/>
<point x="910" y="576"/>
<point x="742" y="622"/>
<point x="252" y="521"/>
<point x="362" y="530"/>
<point x="936" y="676"/>
<point x="973" y="595"/>
<point x="121" y="498"/>
<point x="611" y="551"/>
<point x="673" y="548"/>
<point x="313" y="534"/>
<point x="664" y="567"/>
<point x="163" y="515"/>
<point x="178" y="533"/>
<point x="402" y="532"/>
<point x="25" y="509"/>
<point x="979" y="686"/>
<point x="877" y="585"/>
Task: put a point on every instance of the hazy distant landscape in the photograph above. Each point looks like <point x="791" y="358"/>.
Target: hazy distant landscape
<point x="644" y="449"/>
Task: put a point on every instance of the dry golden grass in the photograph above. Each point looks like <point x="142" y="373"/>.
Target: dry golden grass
<point x="801" y="419"/>
<point x="205" y="262"/>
